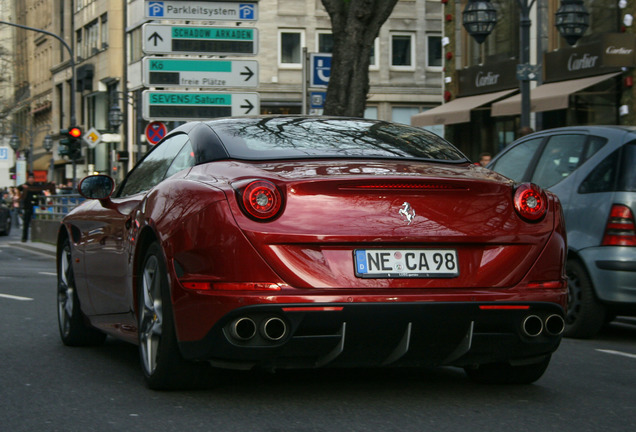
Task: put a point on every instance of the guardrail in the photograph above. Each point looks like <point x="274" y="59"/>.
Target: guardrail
<point x="55" y="207"/>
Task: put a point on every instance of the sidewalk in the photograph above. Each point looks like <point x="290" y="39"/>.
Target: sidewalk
<point x="14" y="241"/>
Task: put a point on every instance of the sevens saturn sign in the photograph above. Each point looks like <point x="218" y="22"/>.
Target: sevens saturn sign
<point x="184" y="106"/>
<point x="208" y="40"/>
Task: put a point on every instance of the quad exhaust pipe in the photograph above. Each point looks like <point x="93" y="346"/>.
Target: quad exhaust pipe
<point x="243" y="329"/>
<point x="272" y="329"/>
<point x="533" y="325"/>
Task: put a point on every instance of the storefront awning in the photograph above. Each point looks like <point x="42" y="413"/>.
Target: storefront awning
<point x="547" y="97"/>
<point x="456" y="111"/>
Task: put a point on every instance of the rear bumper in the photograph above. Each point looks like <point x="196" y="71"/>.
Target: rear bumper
<point x="613" y="273"/>
<point x="378" y="334"/>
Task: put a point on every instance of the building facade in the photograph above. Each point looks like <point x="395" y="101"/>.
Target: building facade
<point x="590" y="83"/>
<point x="55" y="91"/>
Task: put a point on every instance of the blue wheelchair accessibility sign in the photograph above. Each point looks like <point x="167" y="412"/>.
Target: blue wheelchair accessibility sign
<point x="320" y="70"/>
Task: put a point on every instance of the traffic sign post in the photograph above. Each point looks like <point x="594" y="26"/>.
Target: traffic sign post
<point x="209" y="40"/>
<point x="199" y="10"/>
<point x="203" y="73"/>
<point x="185" y="106"/>
<point x="155" y="131"/>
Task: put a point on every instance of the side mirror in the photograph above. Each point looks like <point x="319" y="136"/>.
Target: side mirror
<point x="98" y="187"/>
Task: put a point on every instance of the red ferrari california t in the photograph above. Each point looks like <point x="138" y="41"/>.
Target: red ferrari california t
<point x="305" y="242"/>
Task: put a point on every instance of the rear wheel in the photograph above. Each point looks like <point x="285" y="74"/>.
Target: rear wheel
<point x="161" y="361"/>
<point x="586" y="316"/>
<point x="74" y="329"/>
<point x="505" y="373"/>
<point x="7" y="226"/>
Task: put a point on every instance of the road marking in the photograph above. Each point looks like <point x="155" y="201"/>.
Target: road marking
<point x="12" y="297"/>
<point x="618" y="353"/>
<point x="48" y="273"/>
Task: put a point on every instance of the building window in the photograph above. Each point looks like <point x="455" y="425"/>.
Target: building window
<point x="402" y="51"/>
<point x="104" y="31"/>
<point x="134" y="51"/>
<point x="79" y="48"/>
<point x="91" y="33"/>
<point x="291" y="43"/>
<point x="324" y="42"/>
<point x="434" y="51"/>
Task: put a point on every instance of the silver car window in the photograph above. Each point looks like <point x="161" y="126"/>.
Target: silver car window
<point x="514" y="163"/>
<point x="560" y="157"/>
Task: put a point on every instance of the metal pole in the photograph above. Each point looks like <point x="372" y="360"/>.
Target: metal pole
<point x="524" y="58"/>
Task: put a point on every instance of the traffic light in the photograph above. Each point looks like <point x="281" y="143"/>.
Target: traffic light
<point x="71" y="143"/>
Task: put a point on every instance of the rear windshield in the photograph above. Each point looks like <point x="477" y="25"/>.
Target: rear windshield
<point x="289" y="137"/>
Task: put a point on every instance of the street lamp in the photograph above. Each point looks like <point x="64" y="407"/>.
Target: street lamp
<point x="47" y="143"/>
<point x="116" y="117"/>
<point x="479" y="18"/>
<point x="14" y="142"/>
<point x="572" y="19"/>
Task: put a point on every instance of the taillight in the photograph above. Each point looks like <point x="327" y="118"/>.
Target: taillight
<point x="530" y="202"/>
<point x="261" y="200"/>
<point x="619" y="230"/>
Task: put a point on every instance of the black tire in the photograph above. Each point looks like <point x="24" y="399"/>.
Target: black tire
<point x="73" y="325"/>
<point x="161" y="362"/>
<point x="585" y="316"/>
<point x="504" y="373"/>
<point x="7" y="227"/>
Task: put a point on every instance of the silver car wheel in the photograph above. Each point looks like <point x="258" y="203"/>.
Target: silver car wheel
<point x="65" y="292"/>
<point x="151" y="319"/>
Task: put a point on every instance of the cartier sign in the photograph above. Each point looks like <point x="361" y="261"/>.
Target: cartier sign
<point x="488" y="78"/>
<point x="614" y="50"/>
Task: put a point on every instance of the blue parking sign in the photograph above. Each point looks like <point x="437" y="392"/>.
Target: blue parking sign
<point x="155" y="9"/>
<point x="247" y="11"/>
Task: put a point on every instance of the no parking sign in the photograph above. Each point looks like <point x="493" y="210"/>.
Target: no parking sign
<point x="155" y="131"/>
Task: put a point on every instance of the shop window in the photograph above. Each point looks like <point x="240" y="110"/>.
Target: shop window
<point x="403" y="114"/>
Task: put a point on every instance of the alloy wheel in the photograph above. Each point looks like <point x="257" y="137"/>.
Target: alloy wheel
<point x="151" y="318"/>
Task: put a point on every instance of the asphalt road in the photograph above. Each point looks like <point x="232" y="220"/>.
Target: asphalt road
<point x="45" y="386"/>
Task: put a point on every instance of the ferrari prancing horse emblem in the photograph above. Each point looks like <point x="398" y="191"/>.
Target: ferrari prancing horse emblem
<point x="408" y="212"/>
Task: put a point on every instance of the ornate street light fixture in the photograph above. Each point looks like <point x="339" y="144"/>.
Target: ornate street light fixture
<point x="47" y="143"/>
<point x="115" y="116"/>
<point x="14" y="142"/>
<point x="479" y="19"/>
<point x="572" y="19"/>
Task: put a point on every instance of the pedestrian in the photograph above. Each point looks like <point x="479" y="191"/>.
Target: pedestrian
<point x="29" y="193"/>
<point x="15" y="207"/>
<point x="484" y="159"/>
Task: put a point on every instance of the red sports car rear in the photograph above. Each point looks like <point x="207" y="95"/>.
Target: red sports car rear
<point x="309" y="242"/>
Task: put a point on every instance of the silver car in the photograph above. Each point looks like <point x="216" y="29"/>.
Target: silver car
<point x="592" y="169"/>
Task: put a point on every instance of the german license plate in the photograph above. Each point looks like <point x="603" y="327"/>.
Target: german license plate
<point x="406" y="263"/>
